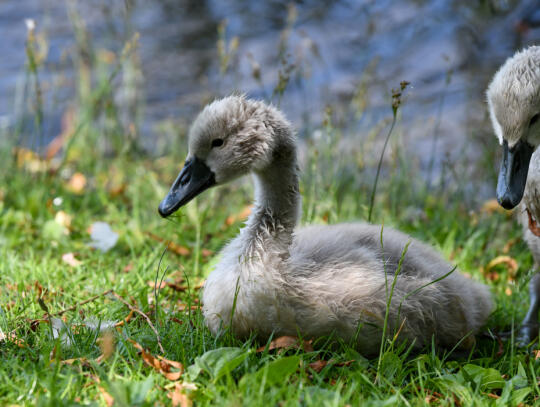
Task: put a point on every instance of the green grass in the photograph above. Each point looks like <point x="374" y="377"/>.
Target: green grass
<point x="224" y="370"/>
<point x="124" y="186"/>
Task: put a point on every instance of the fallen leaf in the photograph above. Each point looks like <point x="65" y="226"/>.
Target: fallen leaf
<point x="29" y="160"/>
<point x="179" y="250"/>
<point x="178" y="396"/>
<point x="83" y="361"/>
<point x="70" y="259"/>
<point x="510" y="263"/>
<point x="199" y="286"/>
<point x="286" y="342"/>
<point x="11" y="337"/>
<point x="77" y="183"/>
<point x="125" y="320"/>
<point x="506" y="248"/>
<point x="39" y="288"/>
<point x="63" y="219"/>
<point x="109" y="400"/>
<point x="175" y="285"/>
<point x="184" y="307"/>
<point x="116" y="190"/>
<point x="318" y="365"/>
<point x="492" y="276"/>
<point x="242" y="215"/>
<point x="206" y="252"/>
<point x="128" y="268"/>
<point x="508" y="291"/>
<point x="103" y="237"/>
<point x="106" y="343"/>
<point x="159" y="363"/>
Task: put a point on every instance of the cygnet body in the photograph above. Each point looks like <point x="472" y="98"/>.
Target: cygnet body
<point x="276" y="278"/>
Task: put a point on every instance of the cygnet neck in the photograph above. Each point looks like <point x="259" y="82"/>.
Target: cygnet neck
<point x="277" y="203"/>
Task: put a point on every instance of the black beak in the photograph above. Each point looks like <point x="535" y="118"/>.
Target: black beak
<point x="513" y="173"/>
<point x="194" y="178"/>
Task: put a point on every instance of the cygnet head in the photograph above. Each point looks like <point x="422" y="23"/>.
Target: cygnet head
<point x="514" y="106"/>
<point x="231" y="137"/>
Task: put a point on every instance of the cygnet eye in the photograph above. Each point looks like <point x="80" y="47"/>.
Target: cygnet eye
<point x="217" y="142"/>
<point x="534" y="119"/>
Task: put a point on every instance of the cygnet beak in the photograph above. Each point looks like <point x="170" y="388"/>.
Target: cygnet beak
<point x="194" y="178"/>
<point x="513" y="173"/>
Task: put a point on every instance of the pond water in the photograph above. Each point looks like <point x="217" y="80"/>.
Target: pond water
<point x="343" y="54"/>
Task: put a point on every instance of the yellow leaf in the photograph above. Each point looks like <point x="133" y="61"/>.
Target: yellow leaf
<point x="240" y="216"/>
<point x="63" y="219"/>
<point x="76" y="183"/>
<point x="510" y="263"/>
<point x="178" y="396"/>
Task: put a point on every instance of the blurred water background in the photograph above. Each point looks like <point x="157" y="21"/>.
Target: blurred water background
<point x="313" y="58"/>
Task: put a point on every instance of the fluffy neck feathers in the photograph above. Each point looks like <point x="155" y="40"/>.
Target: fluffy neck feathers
<point x="277" y="202"/>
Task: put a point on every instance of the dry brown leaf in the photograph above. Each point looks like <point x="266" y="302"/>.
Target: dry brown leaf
<point x="115" y="190"/>
<point x="125" y="320"/>
<point x="178" y="396"/>
<point x="492" y="276"/>
<point x="11" y="337"/>
<point x="83" y="361"/>
<point x="107" y="345"/>
<point x="510" y="263"/>
<point x="39" y="288"/>
<point x="432" y="396"/>
<point x="12" y="287"/>
<point x="506" y="248"/>
<point x="286" y="342"/>
<point x="159" y="363"/>
<point x="179" y="250"/>
<point x="77" y="183"/>
<point x="184" y="307"/>
<point x="243" y="214"/>
<point x="175" y="285"/>
<point x="199" y="286"/>
<point x="318" y="365"/>
<point x="206" y="252"/>
<point x="109" y="400"/>
<point x="70" y="259"/>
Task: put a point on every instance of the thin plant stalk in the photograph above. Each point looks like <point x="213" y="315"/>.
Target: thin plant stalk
<point x="374" y="190"/>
